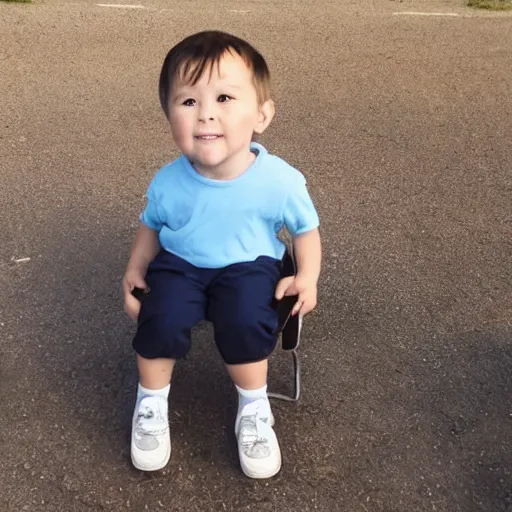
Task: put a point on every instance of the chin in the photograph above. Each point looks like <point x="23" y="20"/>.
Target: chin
<point x="210" y="160"/>
<point x="206" y="163"/>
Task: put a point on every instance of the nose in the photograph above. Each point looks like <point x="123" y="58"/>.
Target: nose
<point x="206" y="111"/>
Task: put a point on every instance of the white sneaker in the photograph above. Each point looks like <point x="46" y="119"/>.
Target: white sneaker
<point x="258" y="449"/>
<point x="151" y="440"/>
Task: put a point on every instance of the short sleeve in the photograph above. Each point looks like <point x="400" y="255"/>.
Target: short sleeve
<point x="152" y="214"/>
<point x="300" y="215"/>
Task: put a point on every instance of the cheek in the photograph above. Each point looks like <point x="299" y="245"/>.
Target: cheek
<point x="181" y="127"/>
<point x="245" y="117"/>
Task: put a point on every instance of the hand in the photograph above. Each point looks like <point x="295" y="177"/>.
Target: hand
<point x="305" y="288"/>
<point x="132" y="279"/>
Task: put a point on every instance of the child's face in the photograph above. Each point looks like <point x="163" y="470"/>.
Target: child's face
<point x="213" y="121"/>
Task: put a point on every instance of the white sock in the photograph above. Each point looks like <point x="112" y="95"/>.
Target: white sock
<point x="246" y="396"/>
<point x="142" y="391"/>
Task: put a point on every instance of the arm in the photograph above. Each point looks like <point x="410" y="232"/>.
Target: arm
<point x="145" y="248"/>
<point x="301" y="220"/>
<point x="308" y="255"/>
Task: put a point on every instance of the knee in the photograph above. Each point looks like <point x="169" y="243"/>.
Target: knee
<point x="245" y="339"/>
<point x="171" y="326"/>
<point x="162" y="336"/>
<point x="244" y="324"/>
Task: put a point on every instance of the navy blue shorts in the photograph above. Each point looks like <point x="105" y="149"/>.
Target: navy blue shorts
<point x="238" y="300"/>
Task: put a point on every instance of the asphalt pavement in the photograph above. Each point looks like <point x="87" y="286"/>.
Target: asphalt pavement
<point x="399" y="113"/>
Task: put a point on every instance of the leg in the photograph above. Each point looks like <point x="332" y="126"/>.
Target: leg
<point x="249" y="376"/>
<point x="155" y="373"/>
<point x="251" y="383"/>
<point x="174" y="305"/>
<point x="243" y="311"/>
<point x="245" y="321"/>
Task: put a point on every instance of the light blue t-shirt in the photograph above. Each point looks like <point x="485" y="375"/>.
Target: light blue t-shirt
<point x="214" y="223"/>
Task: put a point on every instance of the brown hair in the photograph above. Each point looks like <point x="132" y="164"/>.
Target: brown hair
<point x="199" y="52"/>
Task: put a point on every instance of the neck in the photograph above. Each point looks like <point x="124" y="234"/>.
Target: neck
<point x="228" y="170"/>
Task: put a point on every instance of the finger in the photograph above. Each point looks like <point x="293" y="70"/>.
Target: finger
<point x="126" y="287"/>
<point x="132" y="303"/>
<point x="132" y="307"/>
<point x="141" y="283"/>
<point x="137" y="282"/>
<point x="133" y="282"/>
<point x="291" y="290"/>
<point x="305" y="304"/>
<point x="304" y="309"/>
<point x="127" y="292"/>
<point x="282" y="287"/>
<point x="297" y="308"/>
<point x="299" y="305"/>
<point x="308" y="306"/>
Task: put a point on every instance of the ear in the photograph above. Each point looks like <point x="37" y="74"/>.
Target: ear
<point x="265" y="116"/>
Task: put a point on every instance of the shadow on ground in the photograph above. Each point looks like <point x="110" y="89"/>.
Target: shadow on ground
<point x="430" y="426"/>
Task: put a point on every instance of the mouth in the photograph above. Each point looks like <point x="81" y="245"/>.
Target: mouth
<point x="208" y="137"/>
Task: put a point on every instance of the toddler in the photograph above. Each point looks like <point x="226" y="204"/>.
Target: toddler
<point x="207" y="245"/>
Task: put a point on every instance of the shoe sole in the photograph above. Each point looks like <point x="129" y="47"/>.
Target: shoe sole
<point x="144" y="467"/>
<point x="257" y="475"/>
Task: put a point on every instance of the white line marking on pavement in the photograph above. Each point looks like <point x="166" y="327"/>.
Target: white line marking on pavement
<point x="122" y="6"/>
<point x="452" y="14"/>
<point x="21" y="260"/>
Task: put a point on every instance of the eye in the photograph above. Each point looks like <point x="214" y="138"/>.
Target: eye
<point x="223" y="98"/>
<point x="189" y="102"/>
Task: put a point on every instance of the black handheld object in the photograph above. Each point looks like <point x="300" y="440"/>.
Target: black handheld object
<point x="140" y="293"/>
<point x="288" y="325"/>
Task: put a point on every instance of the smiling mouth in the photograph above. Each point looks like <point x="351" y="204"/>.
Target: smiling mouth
<point x="208" y="137"/>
